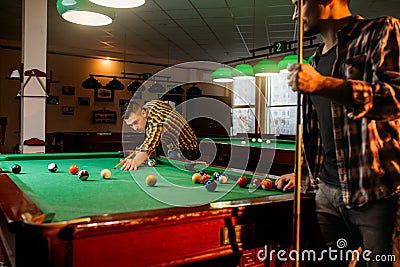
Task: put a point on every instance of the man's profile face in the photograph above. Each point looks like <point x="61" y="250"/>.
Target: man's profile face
<point x="137" y="121"/>
<point x="311" y="15"/>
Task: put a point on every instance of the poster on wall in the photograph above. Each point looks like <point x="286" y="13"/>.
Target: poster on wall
<point x="68" y="110"/>
<point x="103" y="95"/>
<point x="68" y="90"/>
<point x="83" y="101"/>
<point x="52" y="100"/>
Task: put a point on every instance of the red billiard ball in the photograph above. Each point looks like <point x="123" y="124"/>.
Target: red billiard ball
<point x="73" y="169"/>
<point x="83" y="175"/>
<point x="255" y="182"/>
<point x="204" y="178"/>
<point x="267" y="184"/>
<point x="242" y="181"/>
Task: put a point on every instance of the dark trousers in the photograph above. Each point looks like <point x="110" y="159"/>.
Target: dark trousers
<point x="370" y="227"/>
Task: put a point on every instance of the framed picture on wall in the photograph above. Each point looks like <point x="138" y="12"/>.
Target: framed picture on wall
<point x="83" y="101"/>
<point x="68" y="90"/>
<point x="103" y="95"/>
<point x="52" y="100"/>
<point x="68" y="110"/>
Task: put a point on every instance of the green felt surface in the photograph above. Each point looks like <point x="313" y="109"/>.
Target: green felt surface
<point x="273" y="143"/>
<point x="68" y="197"/>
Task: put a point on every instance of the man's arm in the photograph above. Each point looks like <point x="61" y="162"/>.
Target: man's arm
<point x="133" y="164"/>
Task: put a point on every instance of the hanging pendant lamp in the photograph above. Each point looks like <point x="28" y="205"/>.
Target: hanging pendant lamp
<point x="84" y="12"/>
<point x="290" y="59"/>
<point x="222" y="75"/>
<point x="119" y="3"/>
<point x="266" y="67"/>
<point x="242" y="71"/>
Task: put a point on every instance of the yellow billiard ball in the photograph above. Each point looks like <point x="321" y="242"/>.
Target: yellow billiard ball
<point x="105" y="173"/>
<point x="151" y="180"/>
<point x="196" y="178"/>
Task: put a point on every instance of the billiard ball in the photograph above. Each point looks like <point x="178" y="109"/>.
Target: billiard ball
<point x="216" y="175"/>
<point x="255" y="182"/>
<point x="268" y="141"/>
<point x="204" y="178"/>
<point x="105" y="173"/>
<point x="222" y="178"/>
<point x="243" y="142"/>
<point x="202" y="172"/>
<point x="52" y="167"/>
<point x="211" y="185"/>
<point x="83" y="175"/>
<point x="16" y="168"/>
<point x="267" y="184"/>
<point x="196" y="178"/>
<point x="151" y="180"/>
<point x="151" y="162"/>
<point x="73" y="169"/>
<point x="242" y="181"/>
<point x="259" y="140"/>
<point x="253" y="139"/>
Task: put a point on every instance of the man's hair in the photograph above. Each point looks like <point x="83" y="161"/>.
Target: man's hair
<point x="131" y="107"/>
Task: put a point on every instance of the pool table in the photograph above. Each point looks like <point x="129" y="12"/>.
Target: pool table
<point x="55" y="219"/>
<point x="274" y="154"/>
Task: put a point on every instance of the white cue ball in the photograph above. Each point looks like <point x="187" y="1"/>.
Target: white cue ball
<point x="253" y="139"/>
<point x="243" y="142"/>
<point x="259" y="140"/>
<point x="52" y="167"/>
<point x="151" y="180"/>
<point x="105" y="173"/>
<point x="268" y="141"/>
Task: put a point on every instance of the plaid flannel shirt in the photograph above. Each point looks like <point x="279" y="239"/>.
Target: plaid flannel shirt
<point x="367" y="134"/>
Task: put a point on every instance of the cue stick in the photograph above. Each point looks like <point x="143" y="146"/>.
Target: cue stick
<point x="296" y="204"/>
<point x="124" y="160"/>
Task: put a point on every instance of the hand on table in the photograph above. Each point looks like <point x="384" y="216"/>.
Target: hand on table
<point x="133" y="164"/>
<point x="285" y="182"/>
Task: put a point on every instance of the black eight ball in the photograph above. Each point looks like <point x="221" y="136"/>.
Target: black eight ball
<point x="16" y="168"/>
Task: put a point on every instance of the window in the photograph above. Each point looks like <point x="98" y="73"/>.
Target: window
<point x="243" y="116"/>
<point x="280" y="106"/>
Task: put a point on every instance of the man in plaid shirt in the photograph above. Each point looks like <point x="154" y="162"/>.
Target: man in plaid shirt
<point x="351" y="126"/>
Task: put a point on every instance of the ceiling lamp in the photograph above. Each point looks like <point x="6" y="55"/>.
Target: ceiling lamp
<point x="242" y="71"/>
<point x="119" y="3"/>
<point x="134" y="86"/>
<point x="157" y="88"/>
<point x="114" y="84"/>
<point x="290" y="59"/>
<point x="15" y="75"/>
<point x="91" y="83"/>
<point x="222" y="75"/>
<point x="310" y="59"/>
<point x="266" y="67"/>
<point x="84" y="12"/>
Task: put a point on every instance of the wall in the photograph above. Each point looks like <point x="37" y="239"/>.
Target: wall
<point x="72" y="71"/>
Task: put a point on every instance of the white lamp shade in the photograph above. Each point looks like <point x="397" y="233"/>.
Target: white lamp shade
<point x="119" y="3"/>
<point x="87" y="18"/>
<point x="15" y="74"/>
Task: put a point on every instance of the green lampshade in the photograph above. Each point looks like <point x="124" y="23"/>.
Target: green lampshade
<point x="310" y="60"/>
<point x="114" y="84"/>
<point x="84" y="12"/>
<point x="222" y="75"/>
<point x="242" y="71"/>
<point x="266" y="67"/>
<point x="119" y="3"/>
<point x="290" y="59"/>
